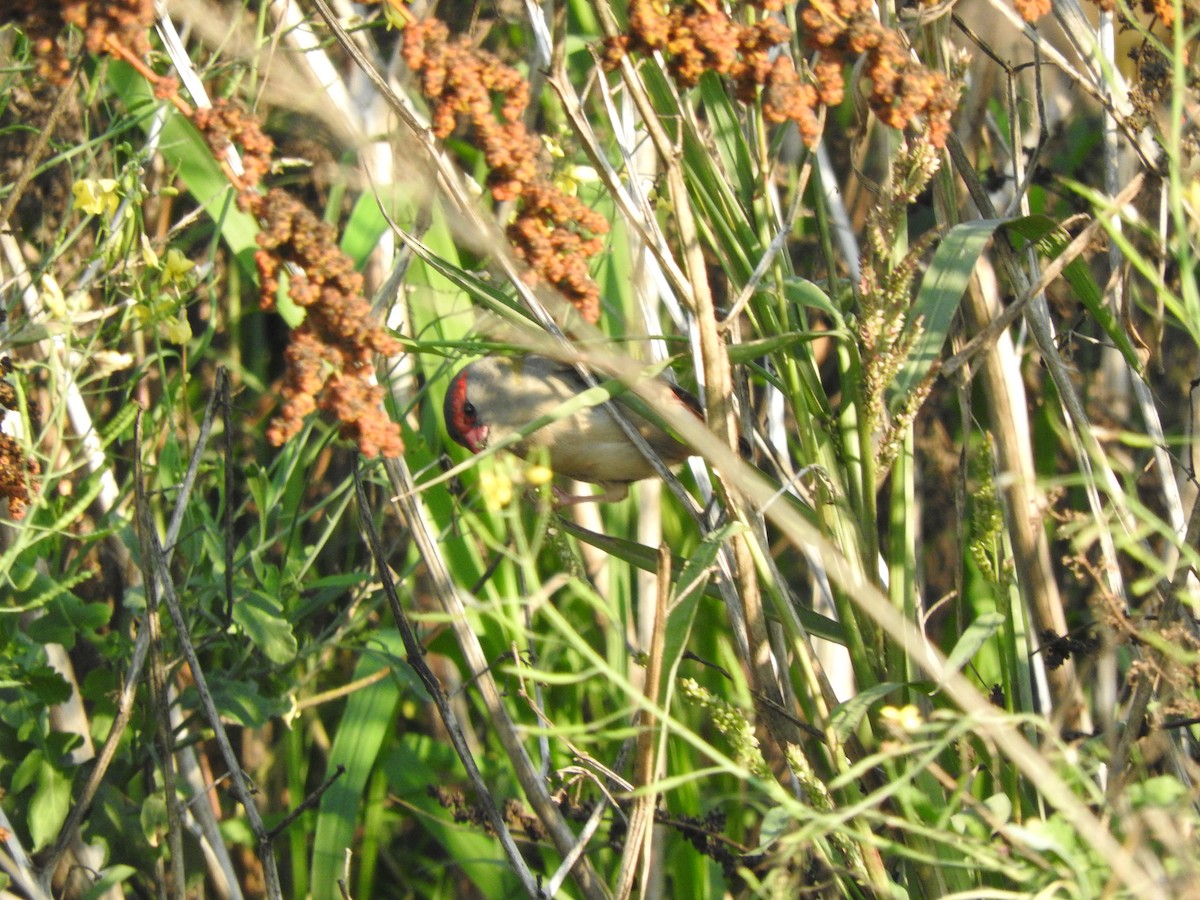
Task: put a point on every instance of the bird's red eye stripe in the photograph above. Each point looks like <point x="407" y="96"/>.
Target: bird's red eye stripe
<point x="457" y="400"/>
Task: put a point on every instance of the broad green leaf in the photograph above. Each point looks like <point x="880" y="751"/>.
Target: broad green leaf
<point x="937" y="301"/>
<point x="33" y="589"/>
<point x="803" y="292"/>
<point x="472" y="285"/>
<point x="109" y="878"/>
<point x="27" y="771"/>
<point x="1161" y="790"/>
<point x="49" y="805"/>
<point x="49" y="686"/>
<point x="368" y="223"/>
<point x="364" y="727"/>
<point x="239" y="701"/>
<point x="263" y="619"/>
<point x="183" y="147"/>
<point x="66" y="617"/>
<point x="411" y="766"/>
<point x="727" y="135"/>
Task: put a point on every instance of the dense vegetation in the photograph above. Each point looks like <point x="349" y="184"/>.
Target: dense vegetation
<point x="917" y="620"/>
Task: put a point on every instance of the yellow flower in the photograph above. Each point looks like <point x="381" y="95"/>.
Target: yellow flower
<point x="537" y="475"/>
<point x="149" y="257"/>
<point x="96" y="196"/>
<point x="905" y="718"/>
<point x="496" y="488"/>
<point x="52" y="298"/>
<point x="568" y="180"/>
<point x="176" y="328"/>
<point x="176" y="266"/>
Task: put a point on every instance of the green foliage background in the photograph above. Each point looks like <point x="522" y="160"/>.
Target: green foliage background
<point x="964" y="374"/>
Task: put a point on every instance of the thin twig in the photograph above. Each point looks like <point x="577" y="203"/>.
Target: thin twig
<point x="158" y="574"/>
<point x="415" y="518"/>
<point x="133" y="675"/>
<point x="309" y="802"/>
<point x="163" y="735"/>
<point x="1053" y="269"/>
<point x="416" y="659"/>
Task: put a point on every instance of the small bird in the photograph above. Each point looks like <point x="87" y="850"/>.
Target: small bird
<point x="496" y="396"/>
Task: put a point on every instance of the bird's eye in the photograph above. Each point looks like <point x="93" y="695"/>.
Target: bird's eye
<point x="469" y="410"/>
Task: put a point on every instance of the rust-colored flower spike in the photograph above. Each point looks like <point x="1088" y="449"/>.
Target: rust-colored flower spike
<point x="904" y="93"/>
<point x="119" y="22"/>
<point x="700" y="37"/>
<point x="552" y="232"/>
<point x="330" y="356"/>
<point x="1162" y="10"/>
<point x="1031" y="10"/>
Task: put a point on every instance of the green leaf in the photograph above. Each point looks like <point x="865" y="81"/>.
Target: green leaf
<point x="49" y="686"/>
<point x="977" y="634"/>
<point x="66" y="617"/>
<point x="153" y="817"/>
<point x="846" y="717"/>
<point x="725" y="122"/>
<point x="411" y="766"/>
<point x="239" y="701"/>
<point x="183" y="147"/>
<point x="646" y="559"/>
<point x="689" y="588"/>
<point x="473" y="286"/>
<point x="1160" y="790"/>
<point x="263" y="619"/>
<point x="49" y="806"/>
<point x="937" y="301"/>
<point x="1051" y="240"/>
<point x="1000" y="806"/>
<point x="368" y="223"/>
<point x="32" y="589"/>
<point x="803" y="292"/>
<point x="27" y="771"/>
<point x="360" y="736"/>
<point x="109" y="878"/>
<point x="745" y="351"/>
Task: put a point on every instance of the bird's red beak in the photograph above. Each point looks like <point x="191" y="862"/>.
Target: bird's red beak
<point x="475" y="439"/>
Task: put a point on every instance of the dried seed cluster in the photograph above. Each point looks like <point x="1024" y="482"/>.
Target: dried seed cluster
<point x="700" y="37"/>
<point x="695" y="38"/>
<point x="121" y="21"/>
<point x="553" y="232"/>
<point x="1163" y="10"/>
<point x="17" y="470"/>
<point x="904" y="93"/>
<point x="330" y="358"/>
<point x="1031" y="10"/>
